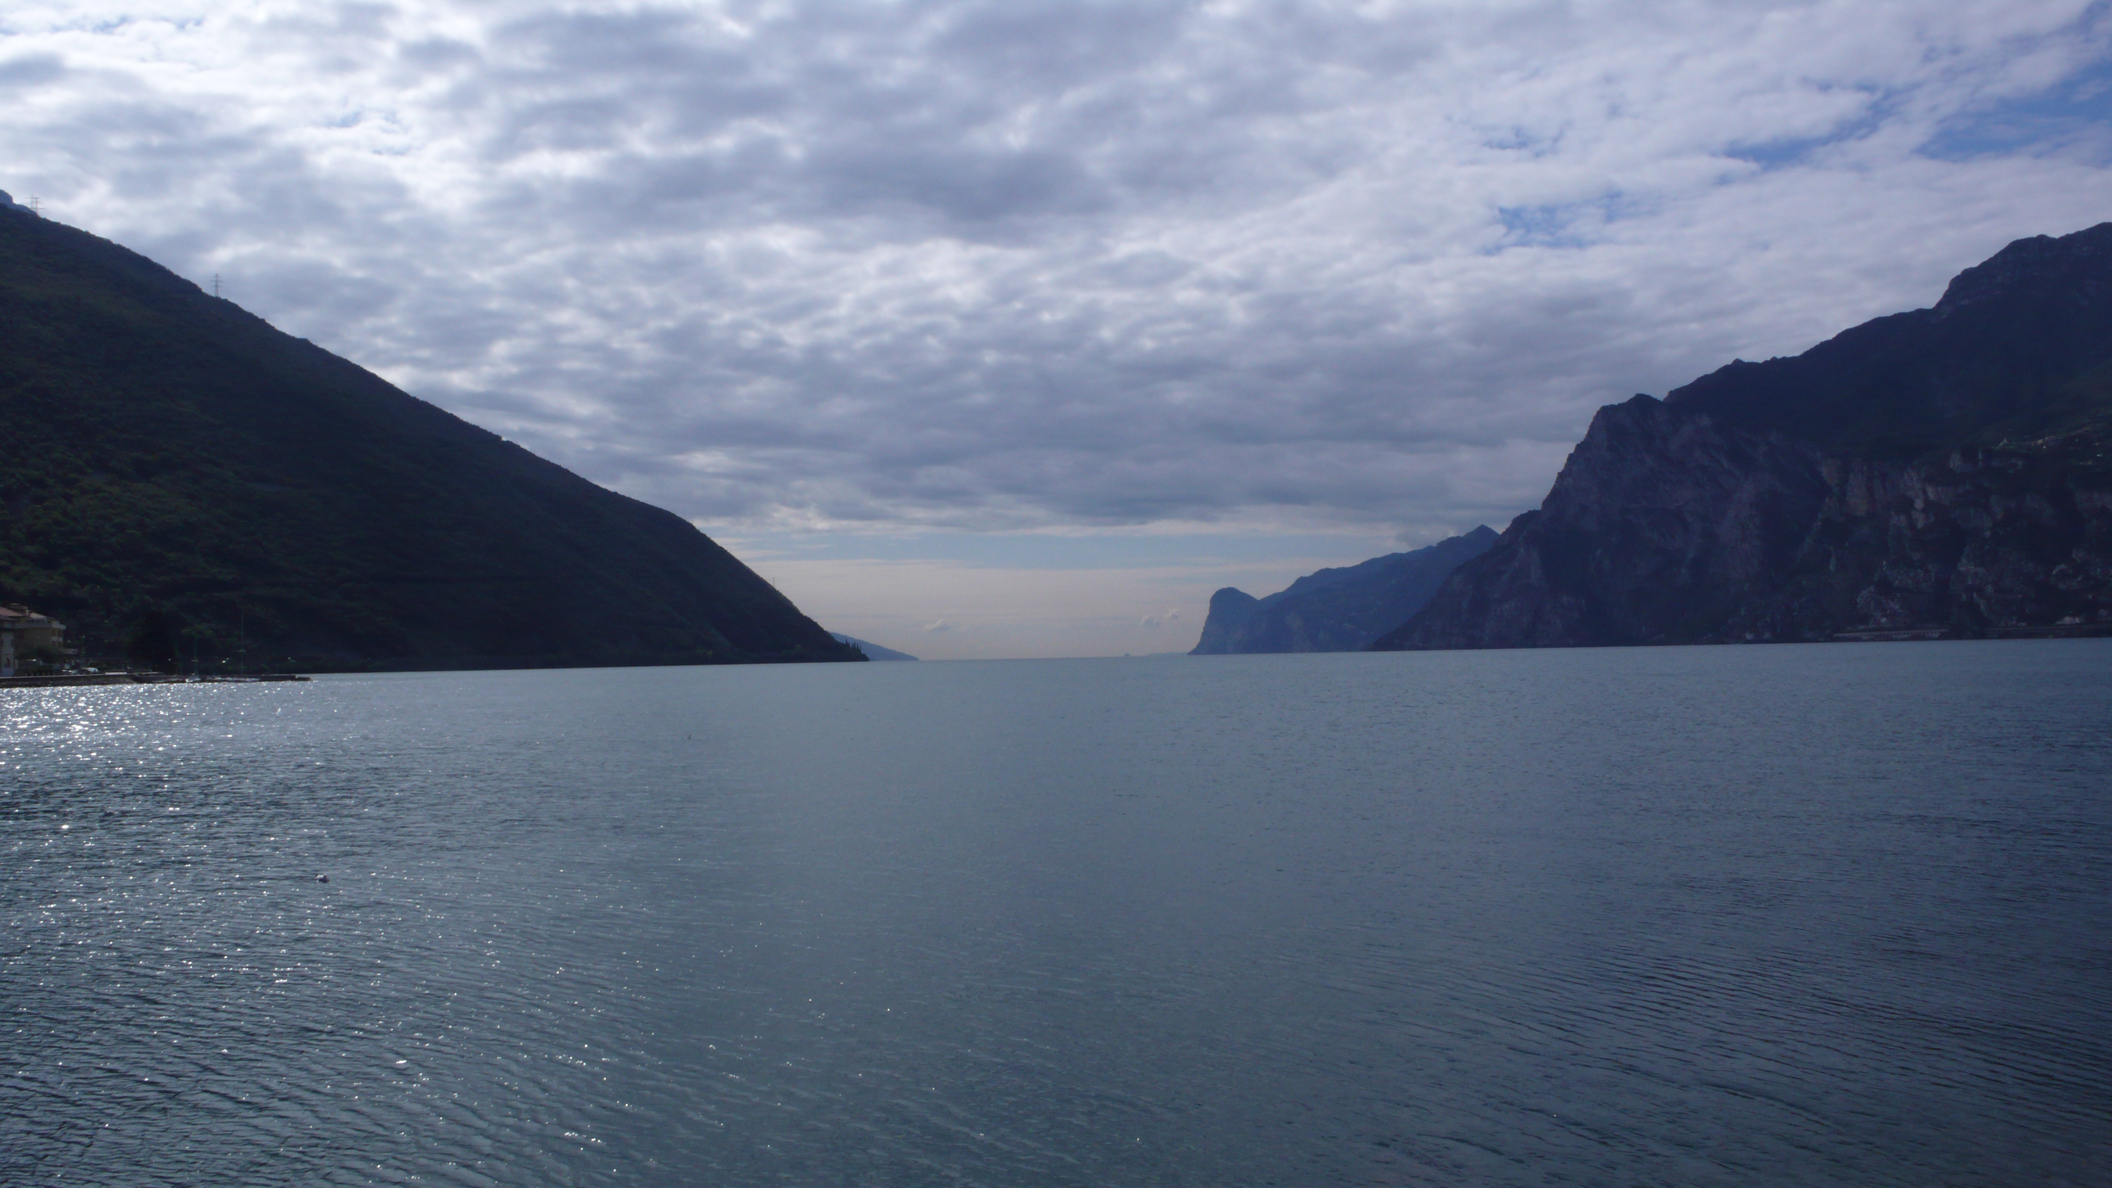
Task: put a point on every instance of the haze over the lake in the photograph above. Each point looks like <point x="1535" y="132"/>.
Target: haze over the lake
<point x="1016" y="328"/>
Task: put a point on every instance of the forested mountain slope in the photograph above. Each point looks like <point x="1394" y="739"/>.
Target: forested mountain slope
<point x="177" y="477"/>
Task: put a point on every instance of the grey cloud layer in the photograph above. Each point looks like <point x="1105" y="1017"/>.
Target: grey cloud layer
<point x="999" y="265"/>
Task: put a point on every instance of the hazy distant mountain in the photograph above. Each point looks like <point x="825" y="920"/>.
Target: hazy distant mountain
<point x="872" y="650"/>
<point x="1946" y="471"/>
<point x="1336" y="610"/>
<point x="179" y="478"/>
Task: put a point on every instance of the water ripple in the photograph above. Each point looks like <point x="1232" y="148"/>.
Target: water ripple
<point x="1694" y="916"/>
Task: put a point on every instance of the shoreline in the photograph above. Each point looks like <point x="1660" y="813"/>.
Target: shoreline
<point x="66" y="680"/>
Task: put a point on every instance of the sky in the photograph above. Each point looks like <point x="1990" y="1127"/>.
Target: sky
<point x="1015" y="328"/>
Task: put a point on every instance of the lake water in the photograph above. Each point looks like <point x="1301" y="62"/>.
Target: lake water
<point x="1686" y="916"/>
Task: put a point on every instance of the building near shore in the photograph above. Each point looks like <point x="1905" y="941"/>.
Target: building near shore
<point x="26" y="636"/>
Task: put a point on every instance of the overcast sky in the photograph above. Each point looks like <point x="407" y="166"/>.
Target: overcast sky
<point x="1016" y="327"/>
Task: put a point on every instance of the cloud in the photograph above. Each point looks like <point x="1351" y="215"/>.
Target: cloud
<point x="1040" y="266"/>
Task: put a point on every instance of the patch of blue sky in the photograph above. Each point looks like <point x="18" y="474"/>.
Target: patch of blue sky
<point x="1787" y="151"/>
<point x="1518" y="139"/>
<point x="1021" y="550"/>
<point x="2077" y="107"/>
<point x="1796" y="150"/>
<point x="1540" y="226"/>
<point x="1565" y="224"/>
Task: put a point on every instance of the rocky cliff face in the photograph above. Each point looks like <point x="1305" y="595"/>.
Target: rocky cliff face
<point x="1946" y="472"/>
<point x="1230" y="610"/>
<point x="1336" y="610"/>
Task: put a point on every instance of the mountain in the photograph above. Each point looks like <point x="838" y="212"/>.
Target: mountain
<point x="1336" y="610"/>
<point x="1941" y="472"/>
<point x="872" y="650"/>
<point x="181" y="481"/>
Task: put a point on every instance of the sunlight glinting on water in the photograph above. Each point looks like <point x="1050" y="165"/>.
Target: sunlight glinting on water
<point x="1678" y="915"/>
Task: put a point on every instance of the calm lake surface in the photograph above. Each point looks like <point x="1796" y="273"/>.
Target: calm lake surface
<point x="1685" y="916"/>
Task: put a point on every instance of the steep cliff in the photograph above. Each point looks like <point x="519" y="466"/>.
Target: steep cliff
<point x="1942" y="472"/>
<point x="181" y="481"/>
<point x="1336" y="610"/>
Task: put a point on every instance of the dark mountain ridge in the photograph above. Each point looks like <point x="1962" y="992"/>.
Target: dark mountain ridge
<point x="1336" y="610"/>
<point x="179" y="479"/>
<point x="1941" y="472"/>
<point x="869" y="649"/>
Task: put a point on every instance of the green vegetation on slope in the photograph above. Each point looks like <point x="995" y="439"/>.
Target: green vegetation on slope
<point x="179" y="478"/>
